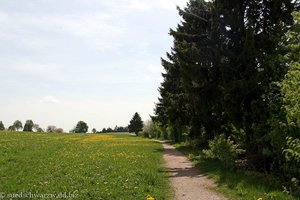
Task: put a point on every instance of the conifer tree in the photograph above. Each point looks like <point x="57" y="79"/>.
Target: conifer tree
<point x="135" y="124"/>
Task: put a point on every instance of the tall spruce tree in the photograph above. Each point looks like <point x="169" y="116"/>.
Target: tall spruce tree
<point x="135" y="124"/>
<point x="189" y="86"/>
<point x="221" y="69"/>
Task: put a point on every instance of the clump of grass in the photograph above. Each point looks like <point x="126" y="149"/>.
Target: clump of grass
<point x="90" y="166"/>
<point x="237" y="184"/>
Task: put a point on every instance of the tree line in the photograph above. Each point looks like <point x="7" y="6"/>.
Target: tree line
<point x="135" y="125"/>
<point x="233" y="75"/>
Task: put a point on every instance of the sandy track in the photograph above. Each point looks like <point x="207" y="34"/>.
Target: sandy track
<point x="187" y="182"/>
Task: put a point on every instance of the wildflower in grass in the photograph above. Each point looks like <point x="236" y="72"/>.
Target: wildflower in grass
<point x="150" y="198"/>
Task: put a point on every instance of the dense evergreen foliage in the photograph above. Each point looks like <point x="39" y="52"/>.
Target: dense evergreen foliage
<point x="135" y="124"/>
<point x="234" y="71"/>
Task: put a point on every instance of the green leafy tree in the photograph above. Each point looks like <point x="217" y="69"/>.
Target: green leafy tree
<point x="290" y="86"/>
<point x="18" y="125"/>
<point x="81" y="127"/>
<point x="2" y="128"/>
<point x="11" y="128"/>
<point x="104" y="130"/>
<point x="109" y="130"/>
<point x="94" y="130"/>
<point x="135" y="124"/>
<point x="28" y="126"/>
<point x="287" y="125"/>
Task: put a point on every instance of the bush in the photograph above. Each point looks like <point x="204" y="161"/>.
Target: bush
<point x="223" y="149"/>
<point x="151" y="130"/>
<point x="291" y="165"/>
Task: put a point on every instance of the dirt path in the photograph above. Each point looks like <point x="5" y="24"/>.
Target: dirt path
<point x="188" y="183"/>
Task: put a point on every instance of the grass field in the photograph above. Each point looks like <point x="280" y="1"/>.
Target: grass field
<point x="82" y="166"/>
<point x="238" y="184"/>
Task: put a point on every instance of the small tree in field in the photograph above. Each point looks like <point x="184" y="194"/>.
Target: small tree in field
<point x="18" y="125"/>
<point x="94" y="130"/>
<point x="81" y="127"/>
<point x="28" y="126"/>
<point x="135" y="124"/>
<point x="11" y="128"/>
<point x="2" y="128"/>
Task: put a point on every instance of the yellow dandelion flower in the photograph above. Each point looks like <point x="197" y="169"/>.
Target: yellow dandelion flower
<point x="150" y="198"/>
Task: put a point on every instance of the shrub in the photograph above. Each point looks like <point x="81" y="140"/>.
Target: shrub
<point x="291" y="165"/>
<point x="223" y="149"/>
<point x="151" y="130"/>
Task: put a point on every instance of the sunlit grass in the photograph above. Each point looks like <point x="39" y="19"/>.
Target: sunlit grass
<point x="108" y="166"/>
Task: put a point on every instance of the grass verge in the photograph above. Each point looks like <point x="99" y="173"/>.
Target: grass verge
<point x="82" y="166"/>
<point x="237" y="184"/>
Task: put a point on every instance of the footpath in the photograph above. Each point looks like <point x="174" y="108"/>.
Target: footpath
<point x="187" y="181"/>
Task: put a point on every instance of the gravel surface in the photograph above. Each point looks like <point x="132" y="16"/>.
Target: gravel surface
<point x="187" y="181"/>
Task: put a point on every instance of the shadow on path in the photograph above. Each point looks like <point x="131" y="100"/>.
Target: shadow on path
<point x="188" y="183"/>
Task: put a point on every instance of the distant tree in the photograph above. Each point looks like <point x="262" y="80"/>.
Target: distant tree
<point x="103" y="130"/>
<point x="36" y="127"/>
<point x="18" y="125"/>
<point x="81" y="127"/>
<point x="12" y="128"/>
<point x="2" y="128"/>
<point x="59" y="130"/>
<point x="136" y="124"/>
<point x="40" y="130"/>
<point x="51" y="129"/>
<point x="109" y="130"/>
<point x="121" y="129"/>
<point x="94" y="130"/>
<point x="116" y="129"/>
<point x="28" y="126"/>
<point x="54" y="129"/>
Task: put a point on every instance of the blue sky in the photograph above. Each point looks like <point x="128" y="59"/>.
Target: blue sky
<point x="62" y="61"/>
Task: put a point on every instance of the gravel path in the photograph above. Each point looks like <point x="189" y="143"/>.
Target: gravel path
<point x="187" y="182"/>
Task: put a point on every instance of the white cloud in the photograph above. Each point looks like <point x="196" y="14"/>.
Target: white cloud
<point x="50" y="100"/>
<point x="99" y="28"/>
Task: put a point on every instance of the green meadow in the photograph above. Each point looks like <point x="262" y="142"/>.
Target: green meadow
<point x="81" y="166"/>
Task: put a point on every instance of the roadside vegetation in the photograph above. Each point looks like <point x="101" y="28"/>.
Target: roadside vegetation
<point x="241" y="183"/>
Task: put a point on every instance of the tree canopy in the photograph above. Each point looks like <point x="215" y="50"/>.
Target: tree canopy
<point x="81" y="127"/>
<point x="28" y="126"/>
<point x="18" y="125"/>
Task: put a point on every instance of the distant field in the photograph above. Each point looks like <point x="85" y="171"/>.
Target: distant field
<point x="82" y="166"/>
